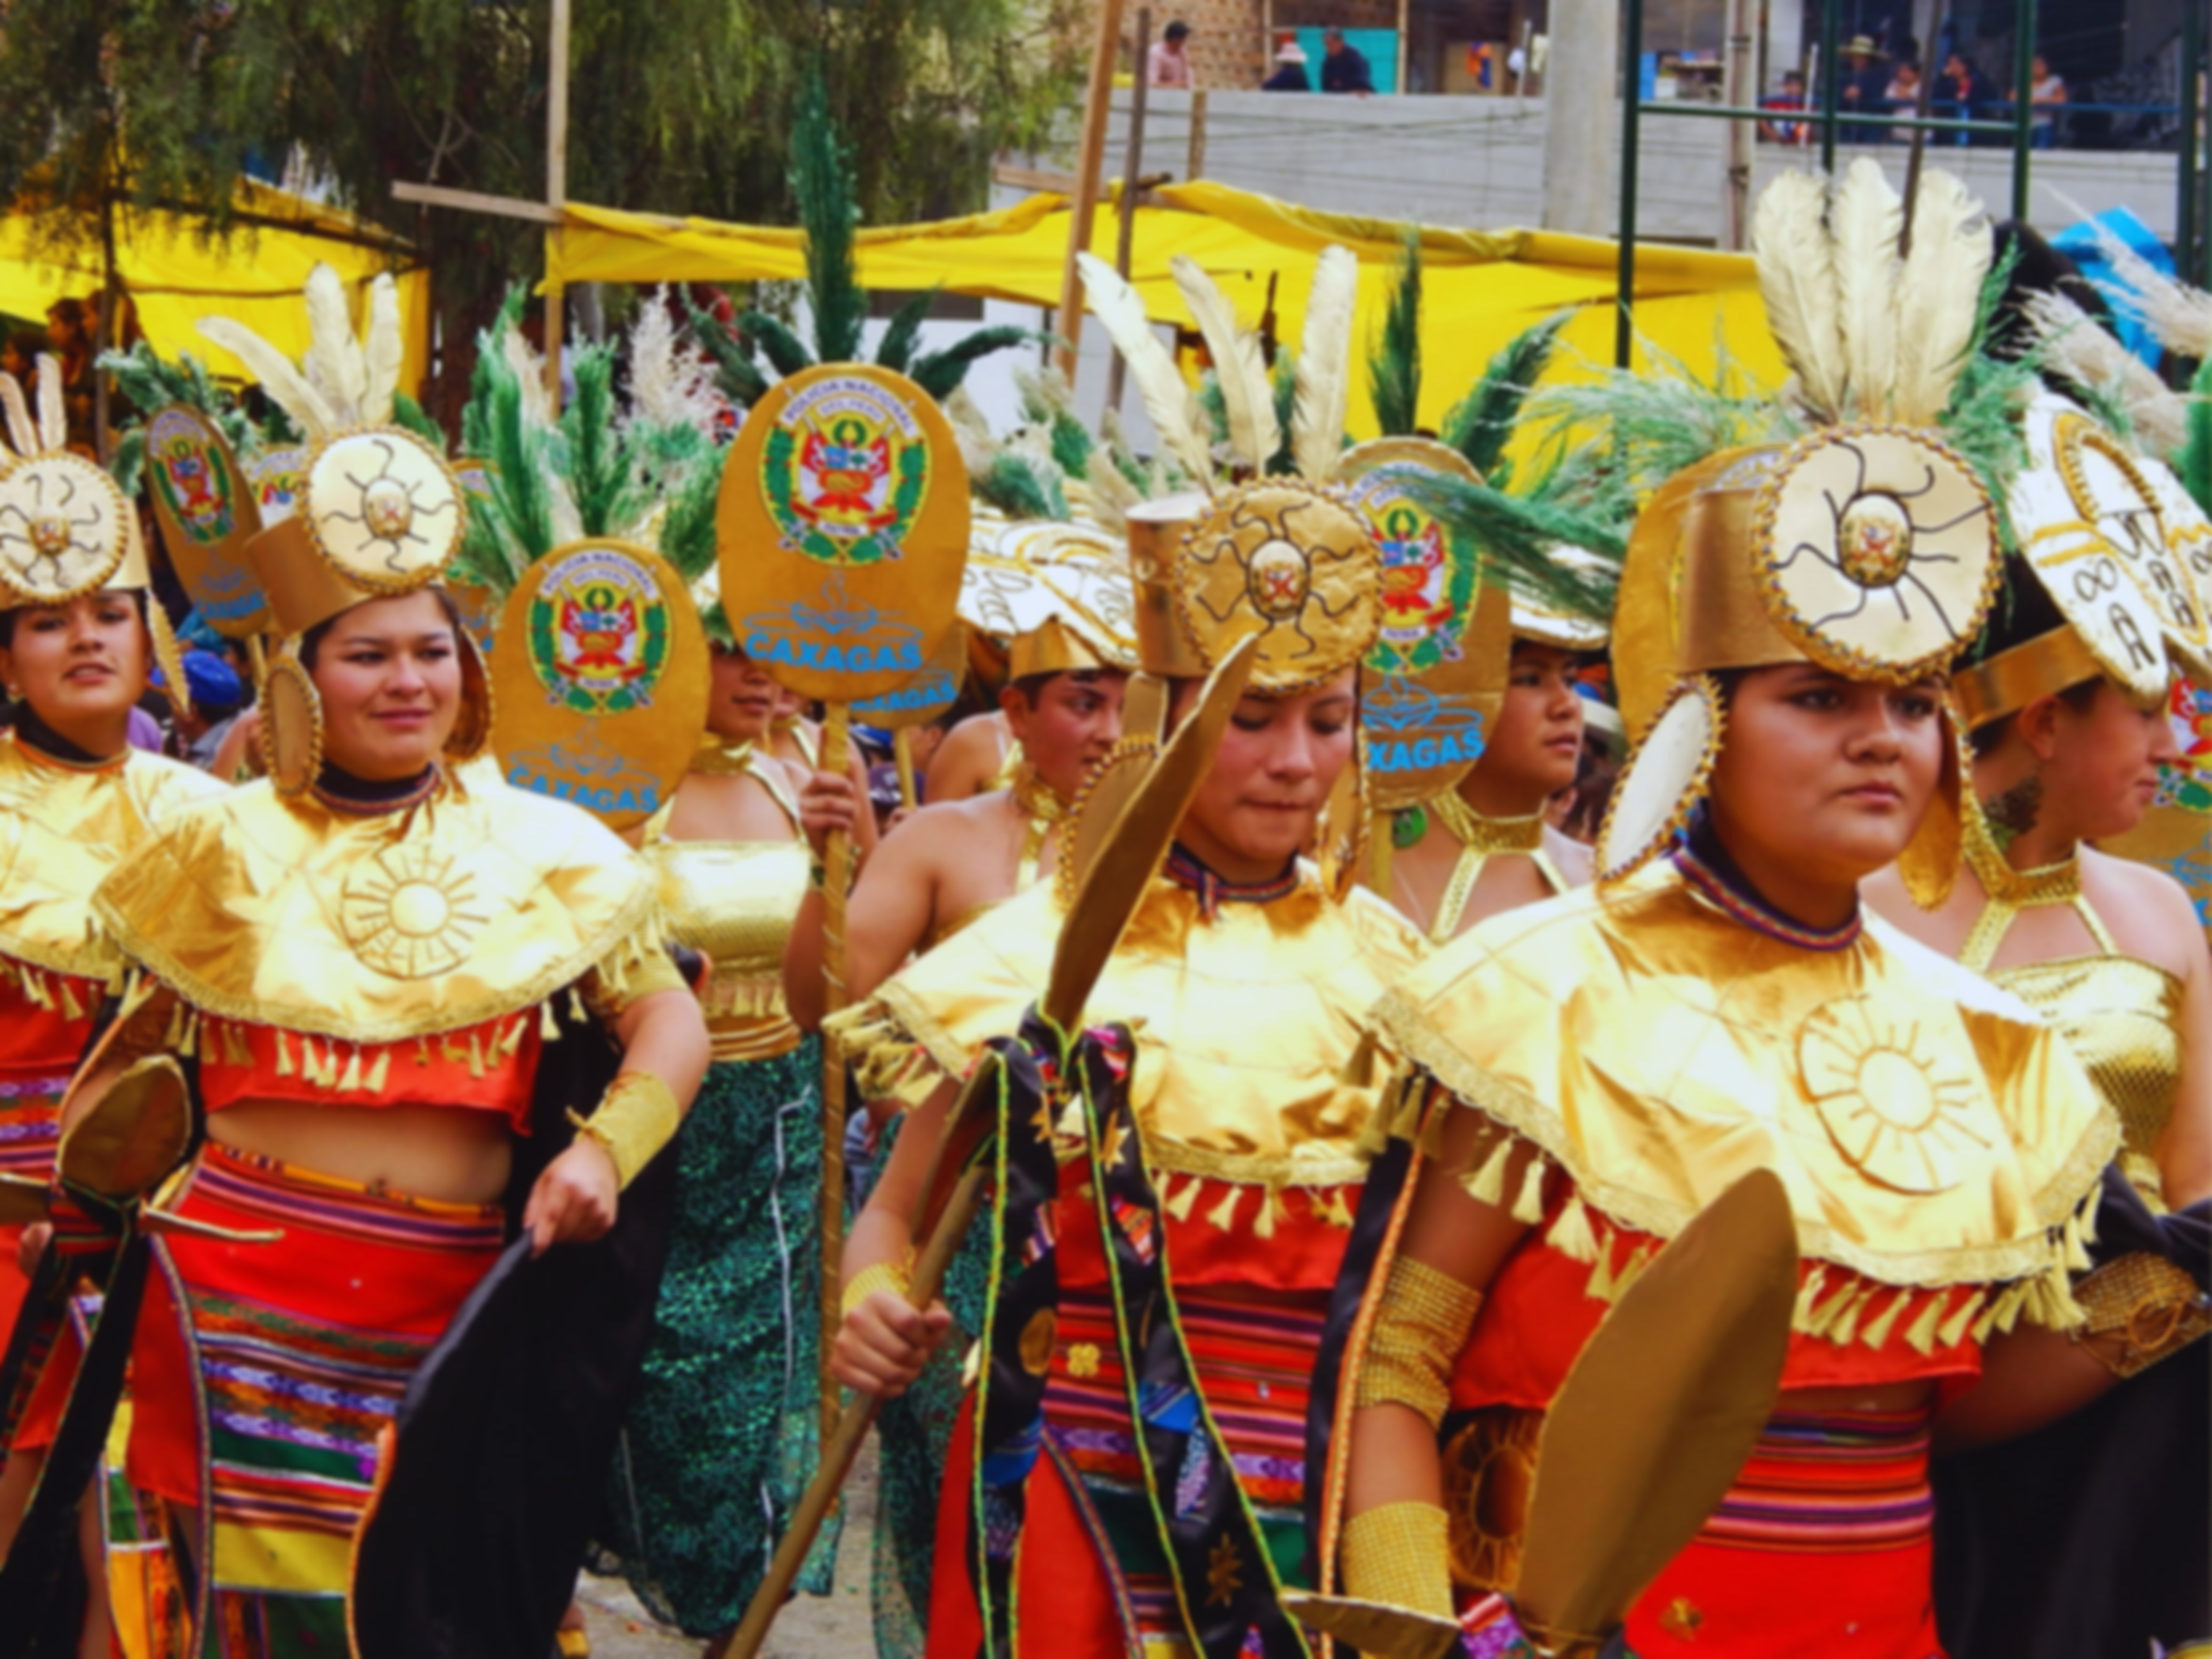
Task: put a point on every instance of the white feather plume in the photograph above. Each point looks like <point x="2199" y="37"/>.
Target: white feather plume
<point x="1112" y="495"/>
<point x="979" y="445"/>
<point x="529" y="366"/>
<point x="1317" y="417"/>
<point x="1239" y="367"/>
<point x="1938" y="294"/>
<point x="1864" y="220"/>
<point x="334" y="363"/>
<point x="279" y="378"/>
<point x="2082" y="350"/>
<point x="1797" y="281"/>
<point x="671" y="384"/>
<point x="53" y="412"/>
<point x="1175" y="413"/>
<point x="384" y="353"/>
<point x="23" y="431"/>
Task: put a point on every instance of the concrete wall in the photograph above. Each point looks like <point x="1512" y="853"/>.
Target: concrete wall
<point x="1479" y="162"/>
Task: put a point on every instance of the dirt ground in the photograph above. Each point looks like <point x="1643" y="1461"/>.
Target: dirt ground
<point x="833" y="1627"/>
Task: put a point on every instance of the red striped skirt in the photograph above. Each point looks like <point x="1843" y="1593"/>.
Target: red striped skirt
<point x="262" y="1404"/>
<point x="1823" y="1546"/>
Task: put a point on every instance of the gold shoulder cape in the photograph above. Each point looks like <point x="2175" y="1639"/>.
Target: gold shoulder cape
<point x="1930" y="1130"/>
<point x="1255" y="1064"/>
<point x="480" y="902"/>
<point x="63" y="828"/>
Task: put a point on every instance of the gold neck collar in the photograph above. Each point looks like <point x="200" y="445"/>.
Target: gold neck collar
<point x="718" y="759"/>
<point x="1479" y="833"/>
<point x="2017" y="890"/>
<point x="1043" y="807"/>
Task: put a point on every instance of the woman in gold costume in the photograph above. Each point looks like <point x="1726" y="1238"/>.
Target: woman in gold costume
<point x="2093" y="1535"/>
<point x="1586" y="1075"/>
<point x="357" y="967"/>
<point x="77" y="637"/>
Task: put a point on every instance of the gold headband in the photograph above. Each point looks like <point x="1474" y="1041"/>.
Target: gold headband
<point x="2007" y="682"/>
<point x="1052" y="648"/>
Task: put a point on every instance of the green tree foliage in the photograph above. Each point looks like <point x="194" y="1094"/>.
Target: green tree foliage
<point x="683" y="106"/>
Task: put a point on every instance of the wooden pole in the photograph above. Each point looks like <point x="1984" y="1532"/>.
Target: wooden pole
<point x="556" y="191"/>
<point x="836" y="883"/>
<point x="1098" y="103"/>
<point x="1133" y="171"/>
<point x="1404" y="8"/>
<point x="1740" y="92"/>
<point x="902" y="752"/>
<point x="1195" y="167"/>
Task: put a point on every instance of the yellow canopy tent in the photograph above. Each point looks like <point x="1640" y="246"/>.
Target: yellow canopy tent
<point x="174" y="274"/>
<point x="1480" y="288"/>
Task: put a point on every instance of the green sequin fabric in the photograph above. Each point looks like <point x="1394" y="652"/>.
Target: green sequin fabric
<point x="725" y="1434"/>
<point x="913" y="1433"/>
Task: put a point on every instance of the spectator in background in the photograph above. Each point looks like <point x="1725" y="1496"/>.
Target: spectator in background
<point x="1343" y="65"/>
<point x="1904" y="98"/>
<point x="217" y="695"/>
<point x="1289" y="74"/>
<point x="1791" y="98"/>
<point x="1962" y="94"/>
<point x="1865" y="90"/>
<point x="1168" y="63"/>
<point x="2047" y="98"/>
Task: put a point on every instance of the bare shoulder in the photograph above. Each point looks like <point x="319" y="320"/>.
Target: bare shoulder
<point x="948" y="824"/>
<point x="2150" y="913"/>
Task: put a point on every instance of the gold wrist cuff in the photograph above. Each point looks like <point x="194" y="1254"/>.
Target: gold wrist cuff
<point x="893" y="1276"/>
<point x="637" y="1116"/>
<point x="1419" y="1333"/>
<point x="1399" y="1554"/>
<point x="2151" y="1305"/>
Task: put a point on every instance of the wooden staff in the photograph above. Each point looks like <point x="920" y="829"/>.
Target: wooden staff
<point x="902" y="752"/>
<point x="836" y="883"/>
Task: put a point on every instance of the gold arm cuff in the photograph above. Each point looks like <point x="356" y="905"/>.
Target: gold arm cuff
<point x="2008" y="682"/>
<point x="1419" y="1330"/>
<point x="897" y="1277"/>
<point x="1399" y="1554"/>
<point x="637" y="1116"/>
<point x="2151" y="1305"/>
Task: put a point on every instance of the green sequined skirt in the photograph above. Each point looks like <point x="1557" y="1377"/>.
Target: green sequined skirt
<point x="725" y="1433"/>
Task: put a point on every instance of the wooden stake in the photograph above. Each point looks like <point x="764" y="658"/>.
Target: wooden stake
<point x="902" y="752"/>
<point x="1132" y="169"/>
<point x="1196" y="167"/>
<point x="556" y="192"/>
<point x="836" y="883"/>
<point x="1097" y="104"/>
<point x="1403" y="45"/>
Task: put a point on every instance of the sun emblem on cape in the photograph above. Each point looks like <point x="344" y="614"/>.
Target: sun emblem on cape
<point x="1899" y="1112"/>
<point x="408" y="912"/>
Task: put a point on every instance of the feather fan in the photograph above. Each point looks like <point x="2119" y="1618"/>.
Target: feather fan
<point x="1797" y="281"/>
<point x="22" y="430"/>
<point x="310" y="410"/>
<point x="1937" y="292"/>
<point x="1325" y="365"/>
<point x="53" y="413"/>
<point x="385" y="352"/>
<point x="334" y="363"/>
<point x="1166" y="394"/>
<point x="1865" y="220"/>
<point x="1247" y="398"/>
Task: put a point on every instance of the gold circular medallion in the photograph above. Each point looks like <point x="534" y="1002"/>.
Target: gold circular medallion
<point x="1878" y="550"/>
<point x="1037" y="1339"/>
<point x="408" y="914"/>
<point x="64" y="528"/>
<point x="291" y="726"/>
<point x="1665" y="778"/>
<point x="1292" y="563"/>
<point x="384" y="508"/>
<point x="1896" y="1108"/>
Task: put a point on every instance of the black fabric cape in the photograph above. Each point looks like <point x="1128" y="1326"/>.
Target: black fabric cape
<point x="2090" y="1537"/>
<point x="509" y="1427"/>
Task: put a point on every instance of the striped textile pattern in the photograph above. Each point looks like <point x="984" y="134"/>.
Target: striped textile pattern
<point x="1829" y="1484"/>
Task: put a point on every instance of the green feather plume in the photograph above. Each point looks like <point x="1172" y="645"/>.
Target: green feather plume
<point x="941" y="372"/>
<point x="2196" y="459"/>
<point x="1072" y="444"/>
<point x="594" y="463"/>
<point x="736" y="375"/>
<point x="1518" y="538"/>
<point x="1393" y="368"/>
<point x="411" y="416"/>
<point x="786" y="352"/>
<point x="1019" y="489"/>
<point x="1480" y="424"/>
<point x="896" y="351"/>
<point x="821" y="183"/>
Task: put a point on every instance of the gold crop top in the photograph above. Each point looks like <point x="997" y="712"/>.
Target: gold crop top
<point x="2121" y="1017"/>
<point x="1478" y="838"/>
<point x="735" y="902"/>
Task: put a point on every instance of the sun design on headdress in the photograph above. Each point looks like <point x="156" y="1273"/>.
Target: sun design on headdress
<point x="406" y="913"/>
<point x="62" y="526"/>
<point x="1879" y="551"/>
<point x="1899" y="1111"/>
<point x="384" y="508"/>
<point x="1290" y="564"/>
